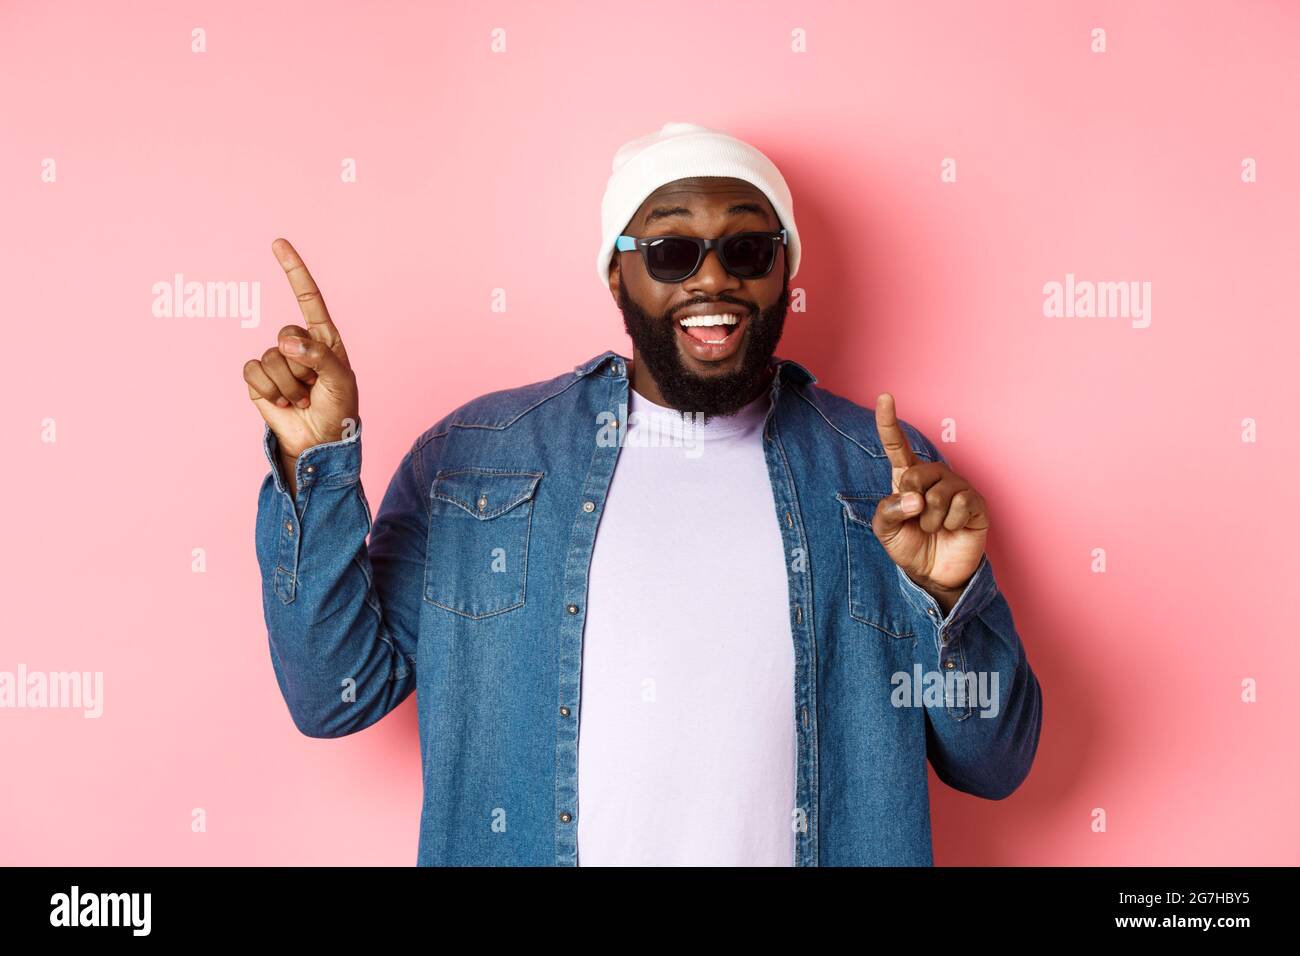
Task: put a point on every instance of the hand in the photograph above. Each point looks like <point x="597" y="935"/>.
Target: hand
<point x="307" y="396"/>
<point x="935" y="524"/>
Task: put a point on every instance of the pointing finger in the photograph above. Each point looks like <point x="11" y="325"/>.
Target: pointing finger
<point x="310" y="301"/>
<point x="891" y="434"/>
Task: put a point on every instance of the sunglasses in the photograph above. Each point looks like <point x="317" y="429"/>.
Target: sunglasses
<point x="746" y="255"/>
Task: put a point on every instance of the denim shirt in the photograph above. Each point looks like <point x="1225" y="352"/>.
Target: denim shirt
<point x="472" y="590"/>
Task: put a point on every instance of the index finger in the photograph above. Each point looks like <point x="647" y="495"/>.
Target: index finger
<point x="319" y="325"/>
<point x="897" y="447"/>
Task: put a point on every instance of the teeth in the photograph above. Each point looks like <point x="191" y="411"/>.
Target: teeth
<point x="725" y="318"/>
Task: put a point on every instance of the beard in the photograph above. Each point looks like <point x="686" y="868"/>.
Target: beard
<point x="655" y="338"/>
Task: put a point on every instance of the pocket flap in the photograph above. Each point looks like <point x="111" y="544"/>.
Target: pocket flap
<point x="860" y="505"/>
<point x="485" y="492"/>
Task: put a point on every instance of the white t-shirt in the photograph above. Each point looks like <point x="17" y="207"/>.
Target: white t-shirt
<point x="686" y="739"/>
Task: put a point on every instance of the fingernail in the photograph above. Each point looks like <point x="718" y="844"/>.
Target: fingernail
<point x="304" y="402"/>
<point x="910" y="501"/>
<point x="282" y="402"/>
<point x="293" y="345"/>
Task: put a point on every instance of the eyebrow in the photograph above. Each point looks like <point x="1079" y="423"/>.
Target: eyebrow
<point x="735" y="209"/>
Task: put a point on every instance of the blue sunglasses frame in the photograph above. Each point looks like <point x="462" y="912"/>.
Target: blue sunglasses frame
<point x="632" y="243"/>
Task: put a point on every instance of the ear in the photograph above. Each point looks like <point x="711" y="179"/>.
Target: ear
<point x="615" y="277"/>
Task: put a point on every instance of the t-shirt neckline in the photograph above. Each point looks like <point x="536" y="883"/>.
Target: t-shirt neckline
<point x="680" y="423"/>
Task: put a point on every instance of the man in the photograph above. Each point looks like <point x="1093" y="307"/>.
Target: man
<point x="687" y="608"/>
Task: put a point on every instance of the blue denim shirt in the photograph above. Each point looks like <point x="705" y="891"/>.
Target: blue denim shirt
<point x="472" y="590"/>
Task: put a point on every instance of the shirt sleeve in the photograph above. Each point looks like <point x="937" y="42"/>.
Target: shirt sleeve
<point x="342" y="615"/>
<point x="984" y="719"/>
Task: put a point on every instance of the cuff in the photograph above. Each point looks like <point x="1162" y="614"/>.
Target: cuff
<point x="978" y="592"/>
<point x="332" y="463"/>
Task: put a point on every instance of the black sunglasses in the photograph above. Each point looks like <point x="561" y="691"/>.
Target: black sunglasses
<point x="746" y="255"/>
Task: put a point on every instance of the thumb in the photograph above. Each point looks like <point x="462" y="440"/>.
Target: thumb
<point x="316" y="356"/>
<point x="894" y="510"/>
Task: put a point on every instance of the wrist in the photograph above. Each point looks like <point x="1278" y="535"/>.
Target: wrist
<point x="289" y="470"/>
<point x="945" y="597"/>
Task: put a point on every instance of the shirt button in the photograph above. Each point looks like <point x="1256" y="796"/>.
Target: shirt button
<point x="573" y="609"/>
<point x="564" y="712"/>
<point x="482" y="502"/>
<point x="288" y="526"/>
<point x="949" y="665"/>
<point x="566" y="816"/>
<point x="310" y="469"/>
<point x="932" y="612"/>
<point x="589" y="506"/>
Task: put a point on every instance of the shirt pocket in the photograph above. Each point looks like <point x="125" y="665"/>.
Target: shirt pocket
<point x="480" y="520"/>
<point x="874" y="595"/>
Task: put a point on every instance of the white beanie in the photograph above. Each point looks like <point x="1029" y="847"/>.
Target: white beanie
<point x="675" y="152"/>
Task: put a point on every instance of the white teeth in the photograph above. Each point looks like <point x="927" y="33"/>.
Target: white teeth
<point x="725" y="318"/>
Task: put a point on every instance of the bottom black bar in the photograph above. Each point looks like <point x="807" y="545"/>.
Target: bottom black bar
<point x="965" y="905"/>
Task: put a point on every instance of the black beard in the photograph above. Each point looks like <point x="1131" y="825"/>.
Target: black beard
<point x="655" y="338"/>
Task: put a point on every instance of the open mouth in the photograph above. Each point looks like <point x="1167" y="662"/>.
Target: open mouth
<point x="713" y="336"/>
<point x="710" y="329"/>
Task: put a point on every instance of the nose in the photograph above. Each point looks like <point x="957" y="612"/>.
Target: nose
<point x="711" y="277"/>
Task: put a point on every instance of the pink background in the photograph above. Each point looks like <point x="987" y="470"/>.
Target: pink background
<point x="1081" y="433"/>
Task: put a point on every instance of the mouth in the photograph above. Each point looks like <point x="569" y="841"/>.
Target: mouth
<point x="712" y="337"/>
